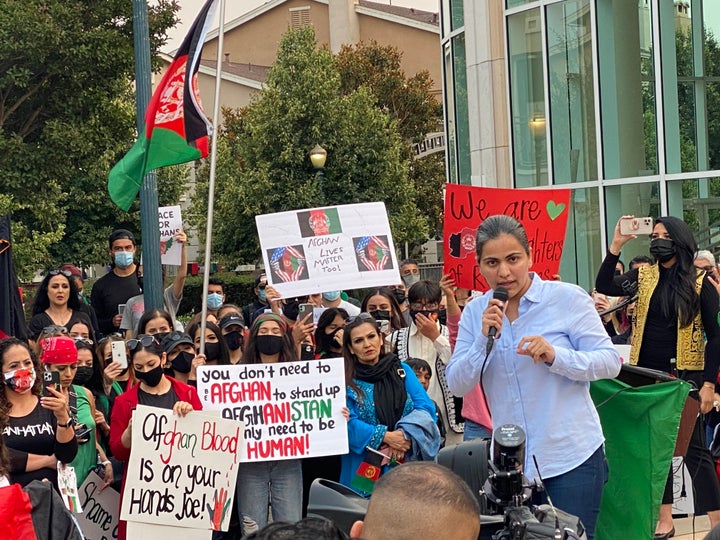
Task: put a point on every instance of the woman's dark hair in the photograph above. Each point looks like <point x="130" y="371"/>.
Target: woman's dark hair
<point x="349" y="356"/>
<point x="95" y="384"/>
<point x="5" y="345"/>
<point x="678" y="292"/>
<point x="91" y="331"/>
<point x="251" y="355"/>
<point x="397" y="321"/>
<point x="194" y="328"/>
<point x="151" y="314"/>
<point x="231" y="308"/>
<point x="154" y="347"/>
<point x="325" y="320"/>
<point x="42" y="301"/>
<point x="425" y="290"/>
<point x="497" y="225"/>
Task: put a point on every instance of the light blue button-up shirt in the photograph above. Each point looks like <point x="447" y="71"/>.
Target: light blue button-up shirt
<point x="550" y="402"/>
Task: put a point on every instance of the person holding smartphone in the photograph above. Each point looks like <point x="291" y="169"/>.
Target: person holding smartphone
<point x="39" y="430"/>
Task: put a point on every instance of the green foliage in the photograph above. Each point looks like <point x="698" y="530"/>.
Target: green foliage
<point x="67" y="117"/>
<point x="263" y="163"/>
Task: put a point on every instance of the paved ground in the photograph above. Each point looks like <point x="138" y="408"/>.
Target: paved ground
<point x="684" y="528"/>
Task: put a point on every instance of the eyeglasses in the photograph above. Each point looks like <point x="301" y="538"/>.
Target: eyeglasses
<point x="65" y="273"/>
<point x="80" y="339"/>
<point x="145" y="341"/>
<point x="359" y="319"/>
<point x="54" y="329"/>
<point x="417" y="306"/>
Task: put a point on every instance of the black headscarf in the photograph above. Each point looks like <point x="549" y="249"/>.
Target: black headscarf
<point x="389" y="393"/>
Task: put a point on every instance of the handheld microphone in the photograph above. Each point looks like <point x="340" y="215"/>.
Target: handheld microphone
<point x="501" y="294"/>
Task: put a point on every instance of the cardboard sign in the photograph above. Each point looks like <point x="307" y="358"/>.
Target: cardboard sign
<point x="543" y="213"/>
<point x="182" y="470"/>
<point x="324" y="249"/>
<point x="99" y="521"/>
<point x="290" y="410"/>
<point x="170" y="222"/>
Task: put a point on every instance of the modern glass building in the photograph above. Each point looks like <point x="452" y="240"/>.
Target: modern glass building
<point x="617" y="100"/>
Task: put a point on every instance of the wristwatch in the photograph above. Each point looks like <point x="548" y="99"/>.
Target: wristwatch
<point x="69" y="423"/>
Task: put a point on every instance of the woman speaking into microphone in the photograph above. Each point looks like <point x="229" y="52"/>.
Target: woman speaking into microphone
<point x="549" y="343"/>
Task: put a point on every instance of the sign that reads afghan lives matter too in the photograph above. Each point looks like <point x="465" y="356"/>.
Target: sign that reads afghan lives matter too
<point x="290" y="410"/>
<point x="182" y="470"/>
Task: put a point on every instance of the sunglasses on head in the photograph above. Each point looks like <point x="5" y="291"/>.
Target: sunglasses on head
<point x="144" y="341"/>
<point x="86" y="341"/>
<point x="55" y="329"/>
<point x="65" y="273"/>
<point x="358" y="319"/>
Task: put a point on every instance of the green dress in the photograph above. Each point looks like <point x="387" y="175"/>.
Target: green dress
<point x="86" y="458"/>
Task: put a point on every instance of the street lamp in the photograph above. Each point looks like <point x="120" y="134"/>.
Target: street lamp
<point x="318" y="155"/>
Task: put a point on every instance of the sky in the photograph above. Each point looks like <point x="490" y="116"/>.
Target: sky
<point x="236" y="8"/>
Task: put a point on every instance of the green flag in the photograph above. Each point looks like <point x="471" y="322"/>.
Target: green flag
<point x="640" y="427"/>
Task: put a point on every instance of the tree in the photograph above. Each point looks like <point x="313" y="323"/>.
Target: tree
<point x="66" y="116"/>
<point x="263" y="163"/>
<point x="411" y="103"/>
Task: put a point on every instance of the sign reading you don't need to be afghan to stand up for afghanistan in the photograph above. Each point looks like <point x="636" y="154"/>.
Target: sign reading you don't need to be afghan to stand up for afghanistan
<point x="290" y="410"/>
<point x="182" y="470"/>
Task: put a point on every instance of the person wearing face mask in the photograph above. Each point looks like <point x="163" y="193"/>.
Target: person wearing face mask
<point x="382" y="305"/>
<point x="259" y="303"/>
<point x="147" y="361"/>
<point x="269" y="342"/>
<point x="233" y="331"/>
<point x="118" y="285"/>
<point x="216" y="351"/>
<point x="333" y="299"/>
<point x="181" y="357"/>
<point x="39" y="430"/>
<point x="675" y="318"/>
<point x="216" y="296"/>
<point x="172" y="295"/>
<point x="426" y="338"/>
<point x="329" y="332"/>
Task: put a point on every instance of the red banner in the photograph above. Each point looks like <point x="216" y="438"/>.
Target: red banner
<point x="543" y="213"/>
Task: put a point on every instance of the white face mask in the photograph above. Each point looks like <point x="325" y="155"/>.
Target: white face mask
<point x="20" y="380"/>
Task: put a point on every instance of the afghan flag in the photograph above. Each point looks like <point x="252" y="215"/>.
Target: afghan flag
<point x="368" y="472"/>
<point x="176" y="129"/>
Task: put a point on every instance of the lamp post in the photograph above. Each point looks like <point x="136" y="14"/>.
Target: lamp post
<point x="537" y="128"/>
<point x="318" y="155"/>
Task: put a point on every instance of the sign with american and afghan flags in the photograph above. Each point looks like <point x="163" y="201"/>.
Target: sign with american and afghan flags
<point x="176" y="129"/>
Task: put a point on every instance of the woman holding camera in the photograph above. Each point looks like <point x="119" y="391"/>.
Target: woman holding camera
<point x="38" y="432"/>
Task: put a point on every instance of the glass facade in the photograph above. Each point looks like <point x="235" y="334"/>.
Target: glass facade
<point x="617" y="100"/>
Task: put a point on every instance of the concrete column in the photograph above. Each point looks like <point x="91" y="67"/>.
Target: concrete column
<point x="344" y="24"/>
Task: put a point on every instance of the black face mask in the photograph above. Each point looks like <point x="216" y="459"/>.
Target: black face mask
<point x="399" y="295"/>
<point x="663" y="249"/>
<point x="442" y="316"/>
<point x="182" y="363"/>
<point x="269" y="344"/>
<point x="430" y="313"/>
<point x="380" y="314"/>
<point x="233" y="340"/>
<point x="328" y="343"/>
<point x="153" y="377"/>
<point x="83" y="375"/>
<point x="161" y="335"/>
<point x="212" y="351"/>
<point x="291" y="310"/>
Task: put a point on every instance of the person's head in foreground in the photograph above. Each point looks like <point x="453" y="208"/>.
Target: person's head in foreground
<point x="310" y="528"/>
<point x="438" y="505"/>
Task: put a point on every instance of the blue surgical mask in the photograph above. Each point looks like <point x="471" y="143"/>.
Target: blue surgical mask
<point x="331" y="296"/>
<point x="261" y="295"/>
<point x="123" y="259"/>
<point x="214" y="301"/>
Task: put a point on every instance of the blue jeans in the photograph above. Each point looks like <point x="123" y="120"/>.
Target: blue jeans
<point x="278" y="483"/>
<point x="579" y="491"/>
<point x="473" y="430"/>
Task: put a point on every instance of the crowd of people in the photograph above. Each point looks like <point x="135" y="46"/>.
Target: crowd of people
<point x="427" y="365"/>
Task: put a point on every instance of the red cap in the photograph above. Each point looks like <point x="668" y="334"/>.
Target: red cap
<point x="58" y="350"/>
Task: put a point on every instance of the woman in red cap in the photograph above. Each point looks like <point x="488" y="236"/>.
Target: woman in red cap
<point x="39" y="431"/>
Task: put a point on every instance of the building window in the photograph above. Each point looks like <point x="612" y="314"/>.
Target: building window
<point x="299" y="17"/>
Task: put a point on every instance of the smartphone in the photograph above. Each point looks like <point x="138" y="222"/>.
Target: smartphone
<point x="304" y="310"/>
<point x="307" y="352"/>
<point x="384" y="326"/>
<point x="638" y="226"/>
<point x="121" y="309"/>
<point x="51" y="379"/>
<point x="119" y="353"/>
<point x="82" y="433"/>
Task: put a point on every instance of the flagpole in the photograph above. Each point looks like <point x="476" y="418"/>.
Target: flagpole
<point x="211" y="183"/>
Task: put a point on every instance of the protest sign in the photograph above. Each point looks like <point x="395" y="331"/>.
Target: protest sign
<point x="182" y="470"/>
<point x="543" y="213"/>
<point x="99" y="521"/>
<point x="170" y="222"/>
<point x="324" y="249"/>
<point x="290" y="409"/>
